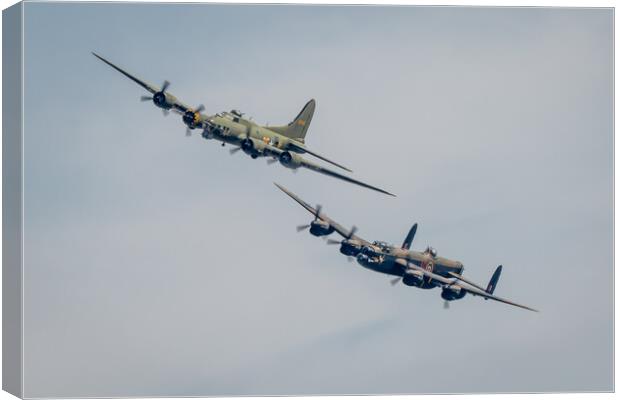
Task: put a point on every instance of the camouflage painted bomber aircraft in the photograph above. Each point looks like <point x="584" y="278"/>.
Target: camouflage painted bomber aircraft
<point x="424" y="270"/>
<point x="280" y="143"/>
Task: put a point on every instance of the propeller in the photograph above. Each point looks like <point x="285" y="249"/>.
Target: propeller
<point x="157" y="97"/>
<point x="247" y="136"/>
<point x="446" y="305"/>
<point x="333" y="241"/>
<point x="189" y="118"/>
<point x="352" y="232"/>
<point x="395" y="281"/>
<point x="164" y="86"/>
<point x="271" y="161"/>
<point x="317" y="211"/>
<point x="302" y="227"/>
<point x="350" y="259"/>
<point x="165" y="112"/>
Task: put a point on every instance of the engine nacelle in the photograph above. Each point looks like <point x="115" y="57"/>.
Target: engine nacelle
<point x="350" y="247"/>
<point x="252" y="147"/>
<point x="452" y="293"/>
<point x="164" y="100"/>
<point x="320" y="228"/>
<point x="413" y="278"/>
<point x="192" y="119"/>
<point x="290" y="160"/>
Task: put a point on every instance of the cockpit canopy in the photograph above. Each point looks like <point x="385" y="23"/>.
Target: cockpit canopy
<point x="380" y="244"/>
<point x="236" y="113"/>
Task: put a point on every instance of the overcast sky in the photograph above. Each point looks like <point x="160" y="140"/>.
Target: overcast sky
<point x="157" y="264"/>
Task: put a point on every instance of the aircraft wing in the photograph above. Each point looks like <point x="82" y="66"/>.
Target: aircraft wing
<point x="477" y="292"/>
<point x="317" y="155"/>
<point x="302" y="162"/>
<point x="321" y="170"/>
<point x="152" y="89"/>
<point x="145" y="85"/>
<point x="341" y="230"/>
<point x="469" y="289"/>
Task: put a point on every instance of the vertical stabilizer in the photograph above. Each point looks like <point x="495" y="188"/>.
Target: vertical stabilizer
<point x="407" y="242"/>
<point x="299" y="126"/>
<point x="493" y="282"/>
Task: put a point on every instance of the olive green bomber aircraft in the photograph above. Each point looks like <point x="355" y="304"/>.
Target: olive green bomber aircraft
<point x="278" y="143"/>
<point x="424" y="270"/>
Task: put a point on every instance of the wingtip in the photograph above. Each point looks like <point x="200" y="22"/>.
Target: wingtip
<point x="387" y="193"/>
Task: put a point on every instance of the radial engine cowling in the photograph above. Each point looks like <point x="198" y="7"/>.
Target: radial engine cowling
<point x="252" y="146"/>
<point x="290" y="160"/>
<point x="191" y="118"/>
<point x="452" y="293"/>
<point x="164" y="100"/>
<point x="320" y="228"/>
<point x="413" y="278"/>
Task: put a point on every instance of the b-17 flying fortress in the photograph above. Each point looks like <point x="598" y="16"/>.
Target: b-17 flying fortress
<point x="282" y="144"/>
<point x="285" y="144"/>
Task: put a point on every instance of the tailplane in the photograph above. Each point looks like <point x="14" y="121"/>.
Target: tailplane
<point x="493" y="282"/>
<point x="299" y="126"/>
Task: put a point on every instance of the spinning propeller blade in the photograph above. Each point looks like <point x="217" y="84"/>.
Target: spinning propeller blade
<point x="164" y="86"/>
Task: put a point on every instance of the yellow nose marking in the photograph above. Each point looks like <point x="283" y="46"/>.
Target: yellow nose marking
<point x="266" y="139"/>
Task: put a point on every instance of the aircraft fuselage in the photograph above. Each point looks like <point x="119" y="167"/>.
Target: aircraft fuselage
<point x="383" y="261"/>
<point x="233" y="129"/>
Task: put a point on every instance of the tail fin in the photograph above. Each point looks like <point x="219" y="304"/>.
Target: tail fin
<point x="493" y="282"/>
<point x="407" y="243"/>
<point x="299" y="126"/>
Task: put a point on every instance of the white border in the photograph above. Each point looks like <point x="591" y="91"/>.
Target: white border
<point x="483" y="3"/>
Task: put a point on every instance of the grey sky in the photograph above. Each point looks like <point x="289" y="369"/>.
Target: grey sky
<point x="160" y="265"/>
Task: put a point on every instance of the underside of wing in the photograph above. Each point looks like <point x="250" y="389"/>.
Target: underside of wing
<point x="317" y="155"/>
<point x="477" y="292"/>
<point x="317" y="168"/>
